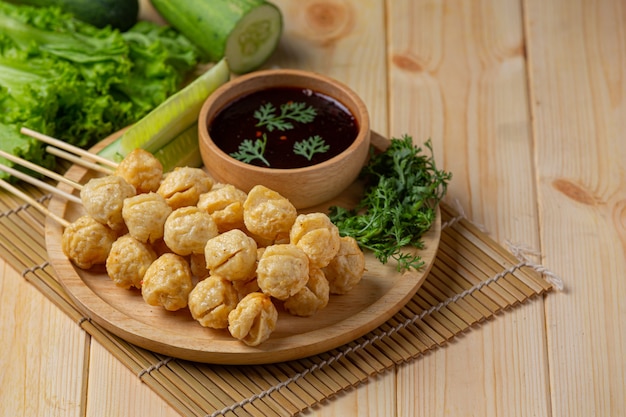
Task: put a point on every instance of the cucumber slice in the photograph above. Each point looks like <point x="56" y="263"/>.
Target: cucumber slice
<point x="245" y="32"/>
<point x="170" y="118"/>
<point x="254" y="38"/>
<point x="182" y="151"/>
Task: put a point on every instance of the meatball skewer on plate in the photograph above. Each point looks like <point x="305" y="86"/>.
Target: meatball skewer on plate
<point x="88" y="240"/>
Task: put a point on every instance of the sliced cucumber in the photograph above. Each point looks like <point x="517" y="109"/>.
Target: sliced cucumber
<point x="170" y="118"/>
<point x="245" y="32"/>
<point x="254" y="38"/>
<point x="182" y="151"/>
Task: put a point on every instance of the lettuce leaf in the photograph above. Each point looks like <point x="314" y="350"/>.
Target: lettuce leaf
<point x="79" y="83"/>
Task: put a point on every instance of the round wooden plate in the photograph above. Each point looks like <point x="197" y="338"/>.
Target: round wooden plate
<point x="380" y="294"/>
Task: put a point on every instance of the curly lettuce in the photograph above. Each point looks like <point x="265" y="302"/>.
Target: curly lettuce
<point x="79" y="83"/>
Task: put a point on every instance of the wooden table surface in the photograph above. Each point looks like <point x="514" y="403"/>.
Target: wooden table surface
<point x="525" y="102"/>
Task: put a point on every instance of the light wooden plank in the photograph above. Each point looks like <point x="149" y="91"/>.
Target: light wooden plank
<point x="343" y="39"/>
<point x="42" y="368"/>
<point x="458" y="76"/>
<point x="125" y="394"/>
<point x="578" y="53"/>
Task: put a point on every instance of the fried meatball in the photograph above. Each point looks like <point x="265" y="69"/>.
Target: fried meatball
<point x="253" y="320"/>
<point x="347" y="268"/>
<point x="225" y="204"/>
<point x="128" y="261"/>
<point x="282" y="271"/>
<point x="145" y="216"/>
<point x="141" y="170"/>
<point x="167" y="282"/>
<point x="262" y="242"/>
<point x="244" y="288"/>
<point x="103" y="198"/>
<point x="232" y="254"/>
<point x="198" y="266"/>
<point x="160" y="247"/>
<point x="312" y="298"/>
<point x="184" y="185"/>
<point x="187" y="230"/>
<point x="87" y="242"/>
<point x="317" y="236"/>
<point x="212" y="300"/>
<point x="268" y="214"/>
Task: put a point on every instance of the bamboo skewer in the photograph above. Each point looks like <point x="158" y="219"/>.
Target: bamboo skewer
<point x="17" y="192"/>
<point x="60" y="149"/>
<point x="67" y="147"/>
<point x="39" y="183"/>
<point x="78" y="161"/>
<point x="40" y="170"/>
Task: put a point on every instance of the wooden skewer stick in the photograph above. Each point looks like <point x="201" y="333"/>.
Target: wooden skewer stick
<point x="65" y="146"/>
<point x="41" y="170"/>
<point x="40" y="184"/>
<point x="43" y="209"/>
<point x="78" y="161"/>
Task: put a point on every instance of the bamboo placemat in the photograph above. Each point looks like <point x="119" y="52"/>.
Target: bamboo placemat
<point x="473" y="278"/>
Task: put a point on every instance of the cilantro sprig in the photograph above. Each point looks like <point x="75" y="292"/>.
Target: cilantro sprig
<point x="250" y="150"/>
<point x="267" y="117"/>
<point x="310" y="146"/>
<point x="403" y="189"/>
<point x="290" y="111"/>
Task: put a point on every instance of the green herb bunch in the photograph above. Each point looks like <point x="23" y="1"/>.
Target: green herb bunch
<point x="403" y="189"/>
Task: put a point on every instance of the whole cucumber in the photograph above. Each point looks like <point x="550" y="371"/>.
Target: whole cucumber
<point x="119" y="14"/>
<point x="245" y="32"/>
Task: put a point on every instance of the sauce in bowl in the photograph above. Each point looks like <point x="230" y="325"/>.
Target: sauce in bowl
<point x="284" y="127"/>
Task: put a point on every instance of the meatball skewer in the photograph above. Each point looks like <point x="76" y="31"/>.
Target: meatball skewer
<point x="73" y="149"/>
<point x="88" y="240"/>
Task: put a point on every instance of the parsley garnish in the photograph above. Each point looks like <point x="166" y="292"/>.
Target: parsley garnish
<point x="250" y="150"/>
<point x="310" y="146"/>
<point x="295" y="111"/>
<point x="403" y="189"/>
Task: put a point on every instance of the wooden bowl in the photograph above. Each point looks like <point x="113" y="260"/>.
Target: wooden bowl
<point x="304" y="187"/>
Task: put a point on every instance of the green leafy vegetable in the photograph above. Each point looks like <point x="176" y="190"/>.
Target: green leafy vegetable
<point x="250" y="150"/>
<point x="161" y="60"/>
<point x="295" y="111"/>
<point x="310" y="146"/>
<point x="76" y="82"/>
<point x="120" y="14"/>
<point x="403" y="189"/>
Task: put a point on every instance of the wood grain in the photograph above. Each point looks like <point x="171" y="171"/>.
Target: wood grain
<point x="127" y="397"/>
<point x="343" y="39"/>
<point x="46" y="353"/>
<point x="580" y="120"/>
<point x="457" y="76"/>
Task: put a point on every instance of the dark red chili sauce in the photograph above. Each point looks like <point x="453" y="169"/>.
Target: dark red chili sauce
<point x="332" y="122"/>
